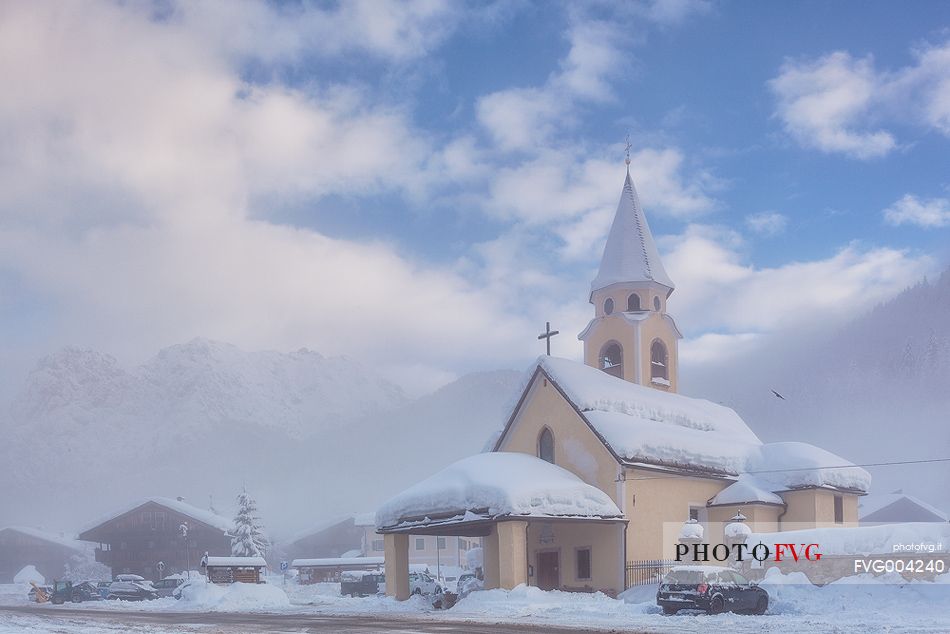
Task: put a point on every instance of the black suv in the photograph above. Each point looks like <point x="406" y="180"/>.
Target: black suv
<point x="712" y="589"/>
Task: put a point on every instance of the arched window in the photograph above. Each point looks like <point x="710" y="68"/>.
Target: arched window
<point x="633" y="303"/>
<point x="546" y="445"/>
<point x="608" y="306"/>
<point x="659" y="362"/>
<point x="656" y="303"/>
<point x="611" y="359"/>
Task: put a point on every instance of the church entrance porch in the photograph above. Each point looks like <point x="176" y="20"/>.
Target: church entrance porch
<point x="569" y="554"/>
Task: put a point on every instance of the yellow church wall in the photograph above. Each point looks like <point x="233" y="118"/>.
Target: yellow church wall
<point x="809" y="508"/>
<point x="605" y="541"/>
<point x="616" y="328"/>
<point x="654" y="503"/>
<point x="576" y="448"/>
<point x="761" y="518"/>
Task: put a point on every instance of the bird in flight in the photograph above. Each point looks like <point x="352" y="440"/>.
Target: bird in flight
<point x="779" y="395"/>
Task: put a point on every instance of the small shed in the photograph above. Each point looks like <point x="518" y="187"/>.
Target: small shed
<point x="226" y="570"/>
<point x="331" y="568"/>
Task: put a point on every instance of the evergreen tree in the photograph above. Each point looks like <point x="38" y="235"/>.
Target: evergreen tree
<point x="247" y="538"/>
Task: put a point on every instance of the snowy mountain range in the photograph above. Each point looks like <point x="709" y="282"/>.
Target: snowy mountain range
<point x="202" y="417"/>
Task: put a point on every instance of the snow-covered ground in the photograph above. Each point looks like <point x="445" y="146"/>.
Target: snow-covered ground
<point x="854" y="604"/>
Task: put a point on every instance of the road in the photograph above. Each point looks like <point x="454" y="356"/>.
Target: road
<point x="235" y="623"/>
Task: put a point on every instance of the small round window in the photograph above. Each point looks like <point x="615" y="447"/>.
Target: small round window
<point x="608" y="306"/>
<point x="656" y="303"/>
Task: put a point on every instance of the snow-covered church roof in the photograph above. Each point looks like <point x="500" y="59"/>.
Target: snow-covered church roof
<point x="641" y="425"/>
<point x="630" y="254"/>
<point x="495" y="485"/>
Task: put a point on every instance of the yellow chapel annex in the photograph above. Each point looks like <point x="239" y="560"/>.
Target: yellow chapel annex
<point x="596" y="458"/>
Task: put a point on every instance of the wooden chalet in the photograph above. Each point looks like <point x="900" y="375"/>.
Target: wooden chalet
<point x="331" y="568"/>
<point x="227" y="570"/>
<point x="50" y="553"/>
<point x="135" y="539"/>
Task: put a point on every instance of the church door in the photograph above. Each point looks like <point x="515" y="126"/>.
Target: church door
<point x="549" y="576"/>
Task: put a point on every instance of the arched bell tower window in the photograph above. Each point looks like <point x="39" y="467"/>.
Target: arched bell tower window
<point x="608" y="306"/>
<point x="633" y="303"/>
<point x="656" y="303"/>
<point x="611" y="359"/>
<point x="546" y="445"/>
<point x="659" y="362"/>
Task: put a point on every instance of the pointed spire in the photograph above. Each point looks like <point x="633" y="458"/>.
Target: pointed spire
<point x="630" y="254"/>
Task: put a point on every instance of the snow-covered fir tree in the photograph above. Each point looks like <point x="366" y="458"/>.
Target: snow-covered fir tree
<point x="247" y="538"/>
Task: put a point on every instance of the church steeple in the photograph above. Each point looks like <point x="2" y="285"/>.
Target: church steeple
<point x="630" y="255"/>
<point x="631" y="336"/>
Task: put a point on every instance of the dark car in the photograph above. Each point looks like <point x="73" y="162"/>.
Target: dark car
<point x="361" y="584"/>
<point x="86" y="591"/>
<point x="131" y="591"/>
<point x="711" y="589"/>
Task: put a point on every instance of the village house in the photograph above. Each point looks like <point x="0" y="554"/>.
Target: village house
<point x="337" y="545"/>
<point x="51" y="554"/>
<point x="898" y="507"/>
<point x="136" y="539"/>
<point x="600" y="463"/>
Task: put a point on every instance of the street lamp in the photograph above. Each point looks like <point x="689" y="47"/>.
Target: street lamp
<point x="183" y="529"/>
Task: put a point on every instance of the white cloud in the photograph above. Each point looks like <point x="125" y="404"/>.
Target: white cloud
<point x="928" y="213"/>
<point x="524" y="118"/>
<point x="673" y="12"/>
<point x="716" y="348"/>
<point x="838" y="103"/>
<point x="824" y="105"/>
<point x="717" y="290"/>
<point x="767" y="223"/>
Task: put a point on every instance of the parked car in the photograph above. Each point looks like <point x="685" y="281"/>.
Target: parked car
<point x="190" y="582"/>
<point x="712" y="589"/>
<point x="422" y="583"/>
<point x="86" y="591"/>
<point x="469" y="583"/>
<point x="103" y="588"/>
<point x="357" y="583"/>
<point x="462" y="580"/>
<point x="131" y="591"/>
<point x="166" y="587"/>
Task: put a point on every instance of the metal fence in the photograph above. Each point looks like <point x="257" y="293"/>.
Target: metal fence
<point x="648" y="571"/>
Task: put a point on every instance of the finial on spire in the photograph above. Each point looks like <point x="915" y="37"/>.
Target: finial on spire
<point x="627" y="150"/>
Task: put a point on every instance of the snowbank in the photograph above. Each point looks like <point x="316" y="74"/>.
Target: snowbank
<point x="237" y="597"/>
<point x="29" y="574"/>
<point x="503" y="483"/>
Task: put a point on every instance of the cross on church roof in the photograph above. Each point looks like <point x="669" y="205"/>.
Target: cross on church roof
<point x="547" y="334"/>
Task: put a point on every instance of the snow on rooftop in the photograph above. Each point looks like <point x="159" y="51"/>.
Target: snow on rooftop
<point x="55" y="538"/>
<point x="202" y="515"/>
<point x="504" y="483"/>
<point x="873" y="503"/>
<point x="746" y="489"/>
<point x="641" y="424"/>
<point x="630" y="254"/>
<point x="249" y="562"/>
<point x="337" y="561"/>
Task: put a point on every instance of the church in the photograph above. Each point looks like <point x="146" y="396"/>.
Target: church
<point x="600" y="463"/>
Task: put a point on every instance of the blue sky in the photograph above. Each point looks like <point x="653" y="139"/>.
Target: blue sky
<point x="423" y="184"/>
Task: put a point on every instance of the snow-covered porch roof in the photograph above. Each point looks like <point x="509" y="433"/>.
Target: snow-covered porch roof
<point x="470" y="495"/>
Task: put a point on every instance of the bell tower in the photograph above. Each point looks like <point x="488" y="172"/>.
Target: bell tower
<point x="631" y="335"/>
